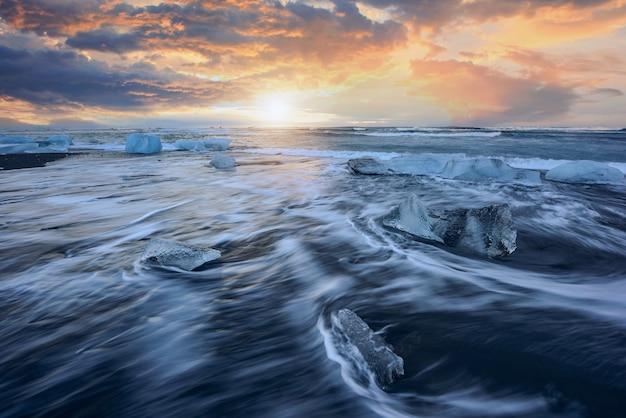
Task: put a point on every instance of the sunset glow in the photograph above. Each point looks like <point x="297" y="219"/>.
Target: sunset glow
<point x="317" y="62"/>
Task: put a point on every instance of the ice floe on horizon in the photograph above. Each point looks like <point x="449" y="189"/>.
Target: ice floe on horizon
<point x="449" y="166"/>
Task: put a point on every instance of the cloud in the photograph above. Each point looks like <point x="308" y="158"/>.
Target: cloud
<point x="438" y="13"/>
<point x="120" y="55"/>
<point x="606" y="93"/>
<point x="51" y="17"/>
<point x="478" y="95"/>
<point x="105" y="41"/>
<point x="65" y="78"/>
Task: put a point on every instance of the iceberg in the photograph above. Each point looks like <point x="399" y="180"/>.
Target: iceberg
<point x="177" y="254"/>
<point x="212" y="144"/>
<point x="590" y="172"/>
<point x="223" y="161"/>
<point x="449" y="166"/>
<point x="377" y="354"/>
<point x="488" y="231"/>
<point x="143" y="144"/>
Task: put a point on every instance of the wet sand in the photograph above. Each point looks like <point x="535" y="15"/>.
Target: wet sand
<point x="17" y="161"/>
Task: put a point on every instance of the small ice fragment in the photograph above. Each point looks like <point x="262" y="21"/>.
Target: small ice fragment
<point x="143" y="144"/>
<point x="177" y="254"/>
<point x="223" y="161"/>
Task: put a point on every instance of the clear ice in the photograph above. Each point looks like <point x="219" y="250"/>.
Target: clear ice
<point x="487" y="231"/>
<point x="143" y="144"/>
<point x="212" y="144"/>
<point x="377" y="354"/>
<point x="585" y="172"/>
<point x="449" y="166"/>
<point x="223" y="161"/>
<point x="177" y="254"/>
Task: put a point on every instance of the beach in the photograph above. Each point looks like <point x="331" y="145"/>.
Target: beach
<point x="91" y="329"/>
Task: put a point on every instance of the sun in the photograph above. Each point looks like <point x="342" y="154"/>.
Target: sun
<point x="276" y="109"/>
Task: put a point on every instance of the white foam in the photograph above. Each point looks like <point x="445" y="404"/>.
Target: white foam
<point x="548" y="164"/>
<point x="431" y="134"/>
<point x="299" y="152"/>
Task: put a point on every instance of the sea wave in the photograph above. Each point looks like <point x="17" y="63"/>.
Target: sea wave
<point x="421" y="133"/>
<point x="335" y="154"/>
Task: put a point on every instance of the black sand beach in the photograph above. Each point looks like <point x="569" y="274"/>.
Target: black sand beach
<point x="17" y="161"/>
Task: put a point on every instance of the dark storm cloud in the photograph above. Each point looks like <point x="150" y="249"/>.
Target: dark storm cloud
<point x="69" y="79"/>
<point x="438" y="13"/>
<point x="90" y="26"/>
<point x="105" y="41"/>
<point x="48" y="17"/>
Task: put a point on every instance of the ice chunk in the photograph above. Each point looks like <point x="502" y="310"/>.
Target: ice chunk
<point x="143" y="144"/>
<point x="212" y="144"/>
<point x="377" y="354"/>
<point x="412" y="217"/>
<point x="450" y="166"/>
<point x="585" y="172"/>
<point x="487" y="169"/>
<point x="59" y="140"/>
<point x="19" y="148"/>
<point x="223" y="161"/>
<point x="487" y="231"/>
<point x="177" y="254"/>
<point x="421" y="164"/>
<point x="368" y="165"/>
<point x="9" y="139"/>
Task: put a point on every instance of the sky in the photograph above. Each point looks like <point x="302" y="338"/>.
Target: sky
<point x="134" y="63"/>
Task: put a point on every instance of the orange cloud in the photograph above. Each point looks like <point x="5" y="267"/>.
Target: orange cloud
<point x="478" y="95"/>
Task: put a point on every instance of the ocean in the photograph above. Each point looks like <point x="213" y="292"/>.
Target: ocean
<point x="87" y="329"/>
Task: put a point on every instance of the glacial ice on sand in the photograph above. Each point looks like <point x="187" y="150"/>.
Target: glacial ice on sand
<point x="22" y="144"/>
<point x="177" y="254"/>
<point x="585" y="172"/>
<point x="223" y="161"/>
<point x="449" y="166"/>
<point x="212" y="144"/>
<point x="487" y="231"/>
<point x="377" y="354"/>
<point x="10" y="139"/>
<point x="59" y="140"/>
<point x="143" y="144"/>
